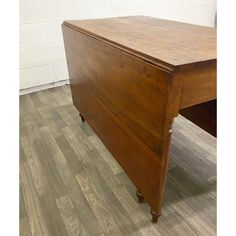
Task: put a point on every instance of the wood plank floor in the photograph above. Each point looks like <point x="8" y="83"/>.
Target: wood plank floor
<point x="71" y="185"/>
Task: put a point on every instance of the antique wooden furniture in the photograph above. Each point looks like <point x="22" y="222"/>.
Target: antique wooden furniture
<point x="130" y="77"/>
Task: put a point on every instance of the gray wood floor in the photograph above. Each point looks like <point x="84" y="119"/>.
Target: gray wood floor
<point x="71" y="185"/>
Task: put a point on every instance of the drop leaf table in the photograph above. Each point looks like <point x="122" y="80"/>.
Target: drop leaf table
<point x="130" y="77"/>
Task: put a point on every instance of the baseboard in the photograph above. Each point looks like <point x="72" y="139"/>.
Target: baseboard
<point x="42" y="87"/>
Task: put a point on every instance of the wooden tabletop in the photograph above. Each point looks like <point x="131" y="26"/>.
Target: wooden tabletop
<point x="163" y="42"/>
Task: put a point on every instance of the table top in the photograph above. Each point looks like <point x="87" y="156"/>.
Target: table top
<point x="163" y="42"/>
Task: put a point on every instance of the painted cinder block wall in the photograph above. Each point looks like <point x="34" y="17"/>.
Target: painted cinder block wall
<point x="42" y="56"/>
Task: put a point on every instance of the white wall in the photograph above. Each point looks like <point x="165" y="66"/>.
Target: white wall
<point x="42" y="56"/>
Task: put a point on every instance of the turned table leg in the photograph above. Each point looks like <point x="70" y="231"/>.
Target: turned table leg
<point x="82" y="118"/>
<point x="154" y="216"/>
<point x="139" y="196"/>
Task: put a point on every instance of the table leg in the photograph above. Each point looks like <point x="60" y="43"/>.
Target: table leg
<point x="156" y="207"/>
<point x="154" y="216"/>
<point x="139" y="196"/>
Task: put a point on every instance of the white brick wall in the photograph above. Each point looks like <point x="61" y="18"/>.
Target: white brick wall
<point x="42" y="56"/>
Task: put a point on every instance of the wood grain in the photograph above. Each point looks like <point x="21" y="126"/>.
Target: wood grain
<point x="25" y="227"/>
<point x="32" y="204"/>
<point x="163" y="42"/>
<point x="198" y="85"/>
<point x="130" y="81"/>
<point x="122" y="96"/>
<point x="70" y="217"/>
<point x="190" y="195"/>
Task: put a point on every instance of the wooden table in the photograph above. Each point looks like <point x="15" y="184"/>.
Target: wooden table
<point x="130" y="77"/>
